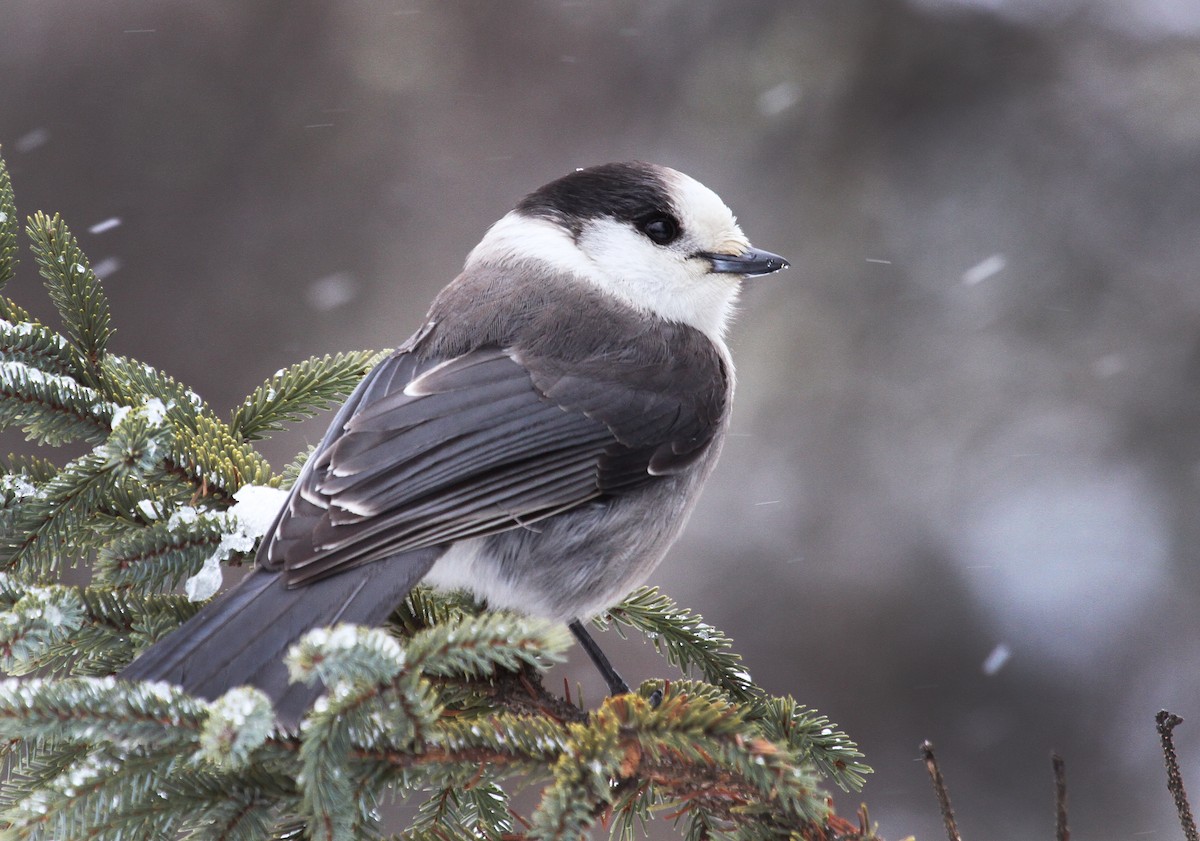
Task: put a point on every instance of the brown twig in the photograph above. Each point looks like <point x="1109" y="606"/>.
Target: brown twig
<point x="1167" y="722"/>
<point x="1062" y="832"/>
<point x="939" y="787"/>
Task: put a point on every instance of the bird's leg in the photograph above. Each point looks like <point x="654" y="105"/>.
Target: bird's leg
<point x="616" y="685"/>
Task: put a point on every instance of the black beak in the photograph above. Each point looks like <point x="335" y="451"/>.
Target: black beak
<point x="751" y="262"/>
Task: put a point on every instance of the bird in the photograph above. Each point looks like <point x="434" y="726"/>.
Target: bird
<point x="539" y="441"/>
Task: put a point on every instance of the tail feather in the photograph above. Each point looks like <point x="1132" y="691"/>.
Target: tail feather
<point x="242" y="636"/>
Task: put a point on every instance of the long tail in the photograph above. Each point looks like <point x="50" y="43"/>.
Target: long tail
<point x="242" y="636"/>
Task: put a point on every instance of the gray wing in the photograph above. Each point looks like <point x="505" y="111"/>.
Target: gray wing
<point x="429" y="451"/>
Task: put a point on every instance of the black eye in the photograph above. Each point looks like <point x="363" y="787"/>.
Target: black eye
<point x="661" y="228"/>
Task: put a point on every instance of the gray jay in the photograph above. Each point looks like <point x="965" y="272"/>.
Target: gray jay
<point x="539" y="441"/>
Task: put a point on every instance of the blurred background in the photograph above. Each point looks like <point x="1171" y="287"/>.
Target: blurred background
<point x="959" y="501"/>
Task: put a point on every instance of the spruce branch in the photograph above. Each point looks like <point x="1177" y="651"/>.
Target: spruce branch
<point x="35" y="765"/>
<point x="814" y="738"/>
<point x="213" y="458"/>
<point x="730" y="771"/>
<point x="40" y="618"/>
<point x="288" y="828"/>
<point x="238" y="723"/>
<point x="75" y="290"/>
<point x="51" y="408"/>
<point x="427" y="608"/>
<point x="481" y="811"/>
<point x="58" y="516"/>
<point x="161" y="555"/>
<point x="212" y="803"/>
<point x="37" y="346"/>
<point x="27" y="468"/>
<point x="582" y="780"/>
<point x="139" y="441"/>
<point x="291" y="472"/>
<point x="683" y="638"/>
<point x="143" y="794"/>
<point x="55" y="520"/>
<point x="242" y="813"/>
<point x="150" y="553"/>
<point x="132" y="383"/>
<point x="80" y="630"/>
<point x="99" y="710"/>
<point x="345" y="654"/>
<point x="476" y="646"/>
<point x="355" y="663"/>
<point x="521" y="742"/>
<point x="119" y="791"/>
<point x="351" y="713"/>
<point x="9" y="229"/>
<point x="205" y="453"/>
<point x="10" y="311"/>
<point x="299" y="392"/>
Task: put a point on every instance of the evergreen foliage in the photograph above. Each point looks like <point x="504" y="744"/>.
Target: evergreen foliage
<point x="444" y="706"/>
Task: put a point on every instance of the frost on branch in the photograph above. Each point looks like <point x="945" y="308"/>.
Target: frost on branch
<point x="238" y="723"/>
<point x="41" y="617"/>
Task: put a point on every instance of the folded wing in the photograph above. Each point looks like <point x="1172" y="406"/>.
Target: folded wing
<point x="430" y="451"/>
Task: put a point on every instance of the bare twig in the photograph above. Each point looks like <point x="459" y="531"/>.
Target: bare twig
<point x="1062" y="832"/>
<point x="939" y="787"/>
<point x="1167" y="722"/>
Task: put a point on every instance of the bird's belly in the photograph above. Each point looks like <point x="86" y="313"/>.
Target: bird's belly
<point x="572" y="565"/>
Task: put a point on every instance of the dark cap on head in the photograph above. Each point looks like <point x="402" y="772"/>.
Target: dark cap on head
<point x="628" y="191"/>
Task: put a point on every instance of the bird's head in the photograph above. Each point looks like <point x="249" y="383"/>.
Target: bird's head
<point x="653" y="237"/>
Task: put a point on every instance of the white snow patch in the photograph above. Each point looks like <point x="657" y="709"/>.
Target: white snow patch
<point x="250" y="517"/>
<point x="19" y="486"/>
<point x="161" y="690"/>
<point x="26" y="328"/>
<point x="156" y="411"/>
<point x="256" y="508"/>
<point x="10" y="370"/>
<point x="204" y="584"/>
<point x="239" y="704"/>
<point x="182" y="515"/>
<point x="119" y="415"/>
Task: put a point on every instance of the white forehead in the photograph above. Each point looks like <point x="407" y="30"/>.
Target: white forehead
<point x="703" y="214"/>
